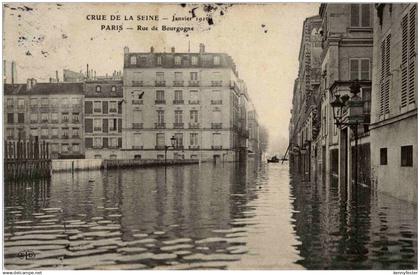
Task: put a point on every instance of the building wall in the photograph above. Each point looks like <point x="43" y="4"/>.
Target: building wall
<point x="398" y="127"/>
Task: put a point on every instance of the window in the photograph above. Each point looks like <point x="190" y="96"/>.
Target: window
<point x="44" y="102"/>
<point x="112" y="124"/>
<point x="178" y="95"/>
<point x="54" y="147"/>
<point x="407" y="156"/>
<point x="64" y="147"/>
<point x="193" y="76"/>
<point x="113" y="142"/>
<point x="34" y="102"/>
<point x="10" y="118"/>
<point x="21" y="118"/>
<point x="177" y="60"/>
<point x="217" y="116"/>
<point x="160" y="95"/>
<point x="112" y="106"/>
<point x="21" y="103"/>
<point x="143" y="59"/>
<point x="97" y="142"/>
<point x="194" y="116"/>
<point x="178" y="76"/>
<point x="34" y="132"/>
<point x="160" y="76"/>
<point x="160" y="139"/>
<point x="408" y="58"/>
<point x="178" y="140"/>
<point x="34" y="118"/>
<point x="217" y="139"/>
<point x="159" y="60"/>
<point x="65" y="117"/>
<point x="194" y="96"/>
<point x="75" y="101"/>
<point x="194" y="60"/>
<point x="216" y="60"/>
<point x="54" y="117"/>
<point x="178" y="116"/>
<point x="138" y="140"/>
<point x="360" y="15"/>
<point x="194" y="139"/>
<point x="133" y="60"/>
<point x="75" y="132"/>
<point x="10" y="103"/>
<point x="359" y="69"/>
<point x="44" y="132"/>
<point x="161" y="116"/>
<point x="138" y="119"/>
<point x="137" y="156"/>
<point x="384" y="80"/>
<point x="54" y="132"/>
<point x="10" y="133"/>
<point x="75" y="117"/>
<point x="113" y="88"/>
<point x="76" y="147"/>
<point x="383" y="156"/>
<point x="97" y="107"/>
<point x="65" y="132"/>
<point x="97" y="124"/>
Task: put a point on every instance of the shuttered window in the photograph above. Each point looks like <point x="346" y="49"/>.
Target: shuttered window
<point x="360" y="15"/>
<point x="360" y="69"/>
<point x="385" y="76"/>
<point x="408" y="58"/>
<point x="88" y="107"/>
<point x="88" y="125"/>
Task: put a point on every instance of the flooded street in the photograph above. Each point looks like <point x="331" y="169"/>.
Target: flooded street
<point x="223" y="216"/>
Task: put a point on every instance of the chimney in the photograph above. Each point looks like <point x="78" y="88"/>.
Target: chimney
<point x="30" y="83"/>
<point x="94" y="74"/>
<point x="202" y="48"/>
<point x="87" y="71"/>
<point x="56" y="76"/>
<point x="126" y="50"/>
<point x="173" y="50"/>
<point x="152" y="50"/>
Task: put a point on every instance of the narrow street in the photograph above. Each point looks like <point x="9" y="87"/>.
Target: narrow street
<point x="203" y="216"/>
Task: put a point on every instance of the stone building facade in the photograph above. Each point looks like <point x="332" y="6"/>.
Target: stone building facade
<point x="195" y="98"/>
<point x="103" y="118"/>
<point x="51" y="112"/>
<point x="394" y="100"/>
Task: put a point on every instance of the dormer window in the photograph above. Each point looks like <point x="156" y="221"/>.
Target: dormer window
<point x="159" y="60"/>
<point x="216" y="60"/>
<point x="133" y="60"/>
<point x="194" y="60"/>
<point x="98" y="89"/>
<point x="113" y="88"/>
<point x="177" y="60"/>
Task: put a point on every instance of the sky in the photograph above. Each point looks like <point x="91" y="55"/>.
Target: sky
<point x="263" y="40"/>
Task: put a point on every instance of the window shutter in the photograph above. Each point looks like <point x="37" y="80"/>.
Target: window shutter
<point x="387" y="73"/>
<point x="365" y="15"/>
<point x="354" y="13"/>
<point x="88" y="107"/>
<point x="88" y="125"/>
<point x="88" y="142"/>
<point x="354" y="69"/>
<point x="412" y="57"/>
<point x="404" y="69"/>
<point x="105" y="141"/>
<point x="119" y="125"/>
<point x="119" y="142"/>
<point x="364" y="68"/>
<point x="104" y="107"/>
<point x="105" y="125"/>
<point x="119" y="107"/>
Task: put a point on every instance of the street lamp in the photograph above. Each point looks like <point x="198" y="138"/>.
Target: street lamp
<point x="348" y="111"/>
<point x="173" y="140"/>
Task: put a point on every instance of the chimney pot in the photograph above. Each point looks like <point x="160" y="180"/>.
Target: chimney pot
<point x="152" y="50"/>
<point x="202" y="48"/>
<point x="126" y="50"/>
<point x="173" y="49"/>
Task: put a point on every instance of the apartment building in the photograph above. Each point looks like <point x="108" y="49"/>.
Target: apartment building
<point x="393" y="126"/>
<point x="346" y="58"/>
<point x="254" y="150"/>
<point x="51" y="112"/>
<point x="103" y="118"/>
<point x="191" y="98"/>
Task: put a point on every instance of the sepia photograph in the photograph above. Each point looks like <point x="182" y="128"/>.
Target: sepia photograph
<point x="211" y="136"/>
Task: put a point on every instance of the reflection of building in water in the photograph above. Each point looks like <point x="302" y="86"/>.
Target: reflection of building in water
<point x="197" y="98"/>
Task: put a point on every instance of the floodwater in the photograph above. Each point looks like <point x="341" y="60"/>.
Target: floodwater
<point x="208" y="216"/>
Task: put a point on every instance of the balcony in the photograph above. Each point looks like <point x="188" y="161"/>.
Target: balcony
<point x="97" y="129"/>
<point x="160" y="101"/>
<point x="137" y="102"/>
<point x="44" y="120"/>
<point x="9" y="107"/>
<point x="179" y="147"/>
<point x="160" y="125"/>
<point x="44" y="136"/>
<point x="216" y="125"/>
<point x="178" y="101"/>
<point x="97" y="146"/>
<point x="54" y="136"/>
<point x="65" y="120"/>
<point x="75" y="136"/>
<point x="75" y="121"/>
<point x="216" y="83"/>
<point x="44" y="109"/>
<point x="137" y="84"/>
<point x="97" y="110"/>
<point x="193" y="83"/>
<point x="216" y="102"/>
<point x="112" y="110"/>
<point x="194" y="147"/>
<point x="137" y="125"/>
<point x="160" y="83"/>
<point x="160" y="147"/>
<point x="216" y="147"/>
<point x="65" y="137"/>
<point x="178" y="83"/>
<point x="137" y="147"/>
<point x="54" y="121"/>
<point x="179" y="125"/>
<point x="194" y="102"/>
<point x="194" y="125"/>
<point x="34" y="120"/>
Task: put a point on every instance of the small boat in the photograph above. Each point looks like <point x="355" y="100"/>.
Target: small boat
<point x="274" y="159"/>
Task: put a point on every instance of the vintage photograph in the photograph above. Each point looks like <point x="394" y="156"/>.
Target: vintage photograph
<point x="225" y="136"/>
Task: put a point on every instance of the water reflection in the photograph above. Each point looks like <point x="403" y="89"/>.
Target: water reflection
<point x="362" y="231"/>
